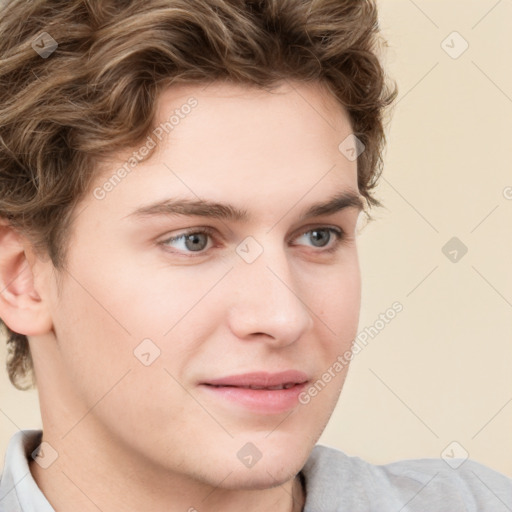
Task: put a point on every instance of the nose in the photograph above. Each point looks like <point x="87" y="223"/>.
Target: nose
<point x="266" y="300"/>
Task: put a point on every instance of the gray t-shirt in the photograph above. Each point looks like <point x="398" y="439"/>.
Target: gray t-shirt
<point x="333" y="482"/>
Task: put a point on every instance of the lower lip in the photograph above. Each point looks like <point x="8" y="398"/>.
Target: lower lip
<point x="266" y="401"/>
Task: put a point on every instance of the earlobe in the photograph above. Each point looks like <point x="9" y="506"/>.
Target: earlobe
<point x="21" y="307"/>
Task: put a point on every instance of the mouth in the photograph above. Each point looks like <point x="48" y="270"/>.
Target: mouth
<point x="261" y="392"/>
<point x="288" y="385"/>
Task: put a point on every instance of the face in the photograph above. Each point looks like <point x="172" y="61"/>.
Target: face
<point x="167" y="314"/>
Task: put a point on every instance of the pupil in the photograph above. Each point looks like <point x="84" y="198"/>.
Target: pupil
<point x="323" y="235"/>
<point x="195" y="239"/>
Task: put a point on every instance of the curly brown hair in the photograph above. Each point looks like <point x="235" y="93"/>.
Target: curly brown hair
<point x="61" y="114"/>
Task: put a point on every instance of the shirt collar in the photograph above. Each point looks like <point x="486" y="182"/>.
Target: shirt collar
<point x="19" y="491"/>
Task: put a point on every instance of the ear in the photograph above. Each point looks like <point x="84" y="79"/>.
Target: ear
<point x="21" y="306"/>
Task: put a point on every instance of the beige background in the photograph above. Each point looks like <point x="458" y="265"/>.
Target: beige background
<point x="441" y="370"/>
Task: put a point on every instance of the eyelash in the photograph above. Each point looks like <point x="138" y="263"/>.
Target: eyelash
<point x="338" y="233"/>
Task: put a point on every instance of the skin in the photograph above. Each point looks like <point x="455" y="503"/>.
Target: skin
<point x="134" y="437"/>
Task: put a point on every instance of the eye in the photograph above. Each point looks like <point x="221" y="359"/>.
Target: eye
<point x="323" y="235"/>
<point x="196" y="240"/>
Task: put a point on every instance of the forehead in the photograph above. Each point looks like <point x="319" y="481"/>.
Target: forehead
<point x="295" y="108"/>
<point x="248" y="145"/>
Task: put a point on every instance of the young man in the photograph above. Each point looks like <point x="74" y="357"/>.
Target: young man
<point x="181" y="183"/>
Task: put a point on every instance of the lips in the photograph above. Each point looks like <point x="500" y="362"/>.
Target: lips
<point x="258" y="392"/>
<point x="288" y="385"/>
<point x="261" y="380"/>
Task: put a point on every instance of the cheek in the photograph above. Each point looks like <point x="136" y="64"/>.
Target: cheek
<point x="159" y="297"/>
<point x="100" y="368"/>
<point x="337" y="317"/>
<point x="337" y="304"/>
<point x="94" y="342"/>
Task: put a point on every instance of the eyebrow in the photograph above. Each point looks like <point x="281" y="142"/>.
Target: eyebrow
<point x="224" y="211"/>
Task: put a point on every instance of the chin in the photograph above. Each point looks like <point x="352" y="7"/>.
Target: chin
<point x="274" y="468"/>
<point x="261" y="478"/>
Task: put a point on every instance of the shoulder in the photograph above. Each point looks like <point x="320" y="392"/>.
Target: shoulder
<point x="334" y="479"/>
